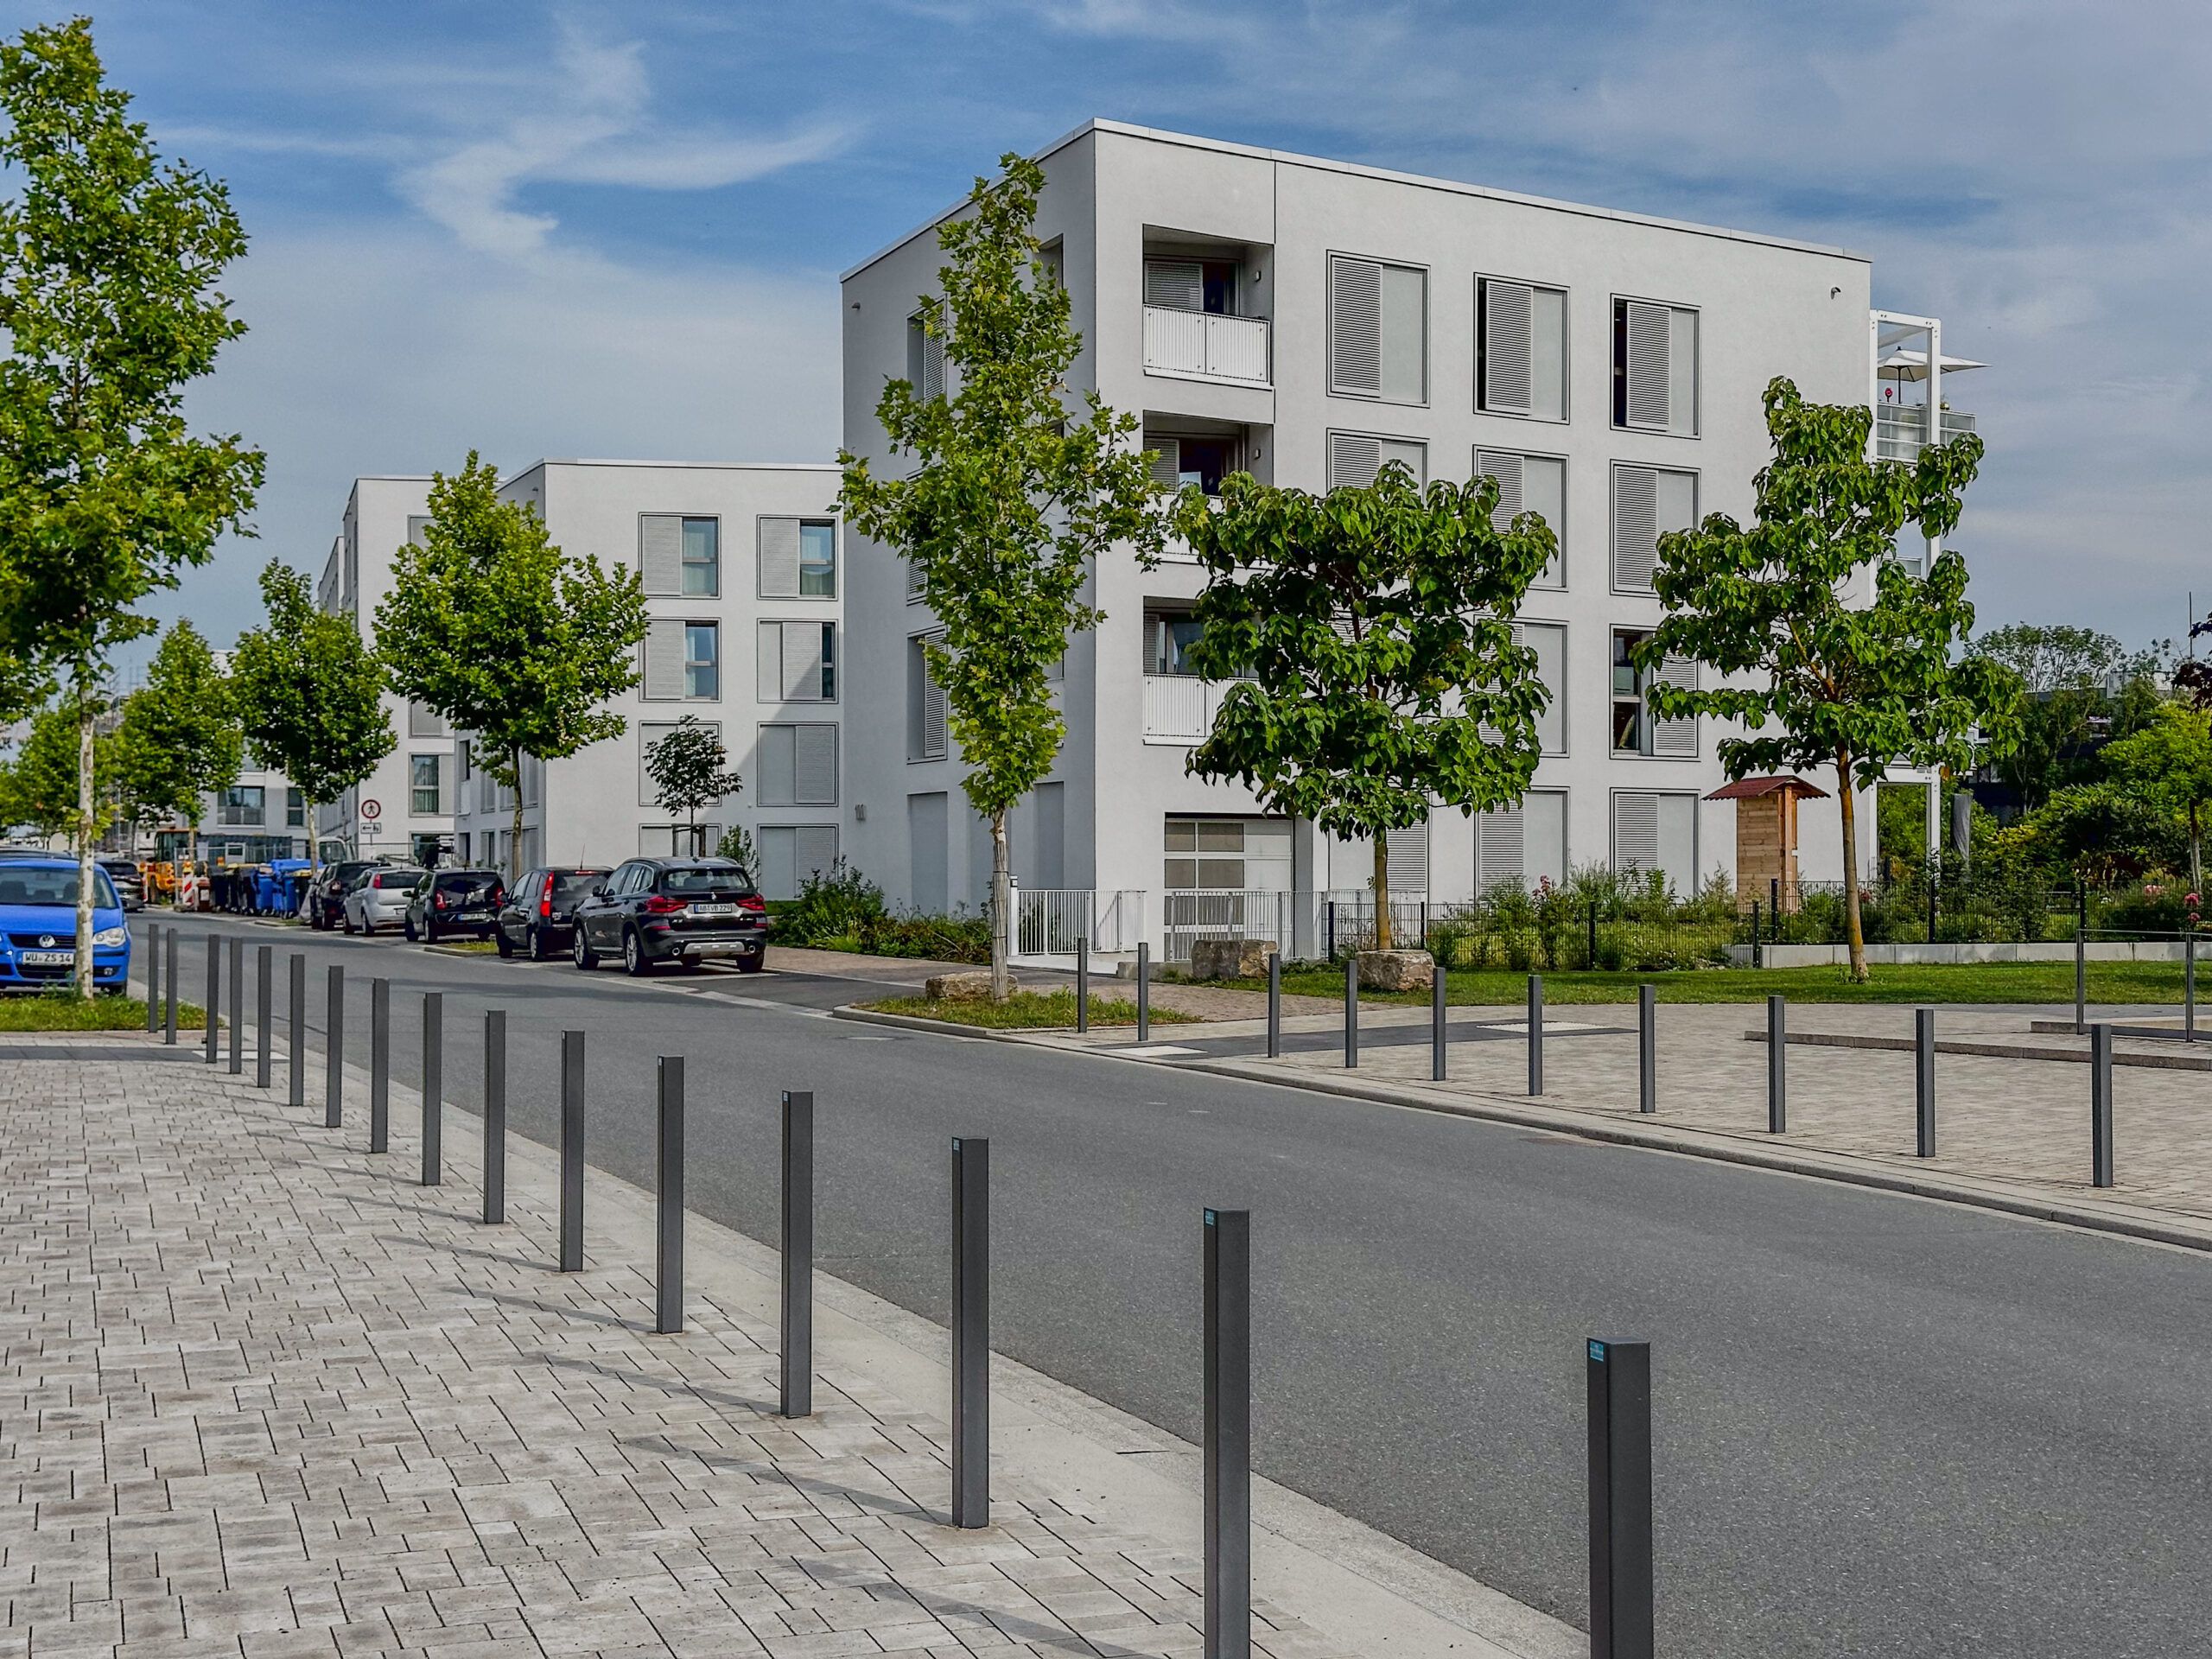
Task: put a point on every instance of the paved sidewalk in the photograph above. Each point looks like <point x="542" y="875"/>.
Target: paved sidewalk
<point x="266" y="1398"/>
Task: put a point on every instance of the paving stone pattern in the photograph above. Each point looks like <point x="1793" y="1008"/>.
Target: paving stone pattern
<point x="265" y="1398"/>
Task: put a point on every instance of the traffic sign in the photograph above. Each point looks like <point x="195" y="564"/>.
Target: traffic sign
<point x="371" y="810"/>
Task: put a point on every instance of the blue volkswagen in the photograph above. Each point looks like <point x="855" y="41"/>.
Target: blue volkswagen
<point x="38" y="925"/>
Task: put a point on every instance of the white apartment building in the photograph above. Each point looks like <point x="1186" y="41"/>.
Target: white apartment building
<point x="744" y="581"/>
<point x="405" y="808"/>
<point x="1308" y="320"/>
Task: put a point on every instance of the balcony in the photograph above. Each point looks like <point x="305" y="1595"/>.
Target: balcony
<point x="1180" y="707"/>
<point x="1206" y="346"/>
<point x="1901" y="430"/>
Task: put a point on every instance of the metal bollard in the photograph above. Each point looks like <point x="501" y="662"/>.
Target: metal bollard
<point x="295" y="975"/>
<point x="495" y="1116"/>
<point x="264" y="1058"/>
<point x="380" y="1065"/>
<point x="153" y="977"/>
<point x="434" y="1087"/>
<point x="333" y="1058"/>
<point x="798" y="1357"/>
<point x="1591" y="959"/>
<point x="971" y="1332"/>
<point x="1439" y="1031"/>
<point x="1144" y="992"/>
<point x="1082" y="984"/>
<point x="1647" y="1048"/>
<point x="168" y="989"/>
<point x="1536" y="1033"/>
<point x="1924" y="1082"/>
<point x="667" y="1196"/>
<point x="1275" y="1004"/>
<point x="237" y="1006"/>
<point x="1620" y="1395"/>
<point x="1756" y="960"/>
<point x="214" y="996"/>
<point x="2080" y="958"/>
<point x="1228" y="1448"/>
<point x="2188" y="987"/>
<point x="572" y="1151"/>
<point x="1351" y="1010"/>
<point x="2100" y="1105"/>
<point x="1778" y="1067"/>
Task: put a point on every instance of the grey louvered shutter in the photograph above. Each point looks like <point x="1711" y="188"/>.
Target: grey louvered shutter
<point x="660" y="553"/>
<point x="815" y="773"/>
<point x="929" y="347"/>
<point x="1507" y="468"/>
<point x="816" y="845"/>
<point x="1356" y="327"/>
<point x="664" y="660"/>
<point x="1635" y="526"/>
<point x="1408" y="858"/>
<point x="1508" y="346"/>
<point x="778" y="558"/>
<point x="1354" y="459"/>
<point x="1413" y="456"/>
<point x="1178" y="284"/>
<point x="1636" y="832"/>
<point x="1484" y="729"/>
<point x="768" y="663"/>
<point x="1675" y="737"/>
<point x="1650" y="355"/>
<point x="1167" y="460"/>
<point x="934" y="743"/>
<point x="802" y="661"/>
<point x="1498" y="847"/>
<point x="913" y="583"/>
<point x="776" y="765"/>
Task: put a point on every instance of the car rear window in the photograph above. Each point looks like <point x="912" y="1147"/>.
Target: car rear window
<point x="395" y="878"/>
<point x="475" y="884"/>
<point x="569" y="881"/>
<point x="728" y="880"/>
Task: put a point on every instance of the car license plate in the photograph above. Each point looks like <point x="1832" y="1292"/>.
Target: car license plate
<point x="48" y="958"/>
<point x="714" y="910"/>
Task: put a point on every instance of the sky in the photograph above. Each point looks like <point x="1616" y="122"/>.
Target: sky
<point x="575" y="229"/>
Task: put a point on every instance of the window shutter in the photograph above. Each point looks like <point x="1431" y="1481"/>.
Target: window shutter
<point x="418" y="529"/>
<point x="1508" y="469"/>
<point x="1354" y="459"/>
<point x="664" y="660"/>
<point x="768" y="666"/>
<point x="1167" y="460"/>
<point x="1635" y="526"/>
<point x="1408" y="858"/>
<point x="649" y="733"/>
<point x="913" y="583"/>
<point x="1178" y="284"/>
<point x="779" y="765"/>
<point x="660" y="553"/>
<point x="1484" y="729"/>
<point x="1508" y="346"/>
<point x="778" y="558"/>
<point x="1676" y="738"/>
<point x="932" y="365"/>
<point x="1404" y="330"/>
<point x="1414" y="457"/>
<point x="814" y="767"/>
<point x="1356" y="327"/>
<point x="815" y="846"/>
<point x="801" y="662"/>
<point x="1498" y="855"/>
<point x="934" y="743"/>
<point x="1650" y="373"/>
<point x="1636" y="832"/>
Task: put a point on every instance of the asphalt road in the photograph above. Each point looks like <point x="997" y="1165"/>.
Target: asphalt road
<point x="1883" y="1426"/>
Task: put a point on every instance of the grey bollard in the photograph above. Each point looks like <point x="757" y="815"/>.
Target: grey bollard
<point x="434" y="1087"/>
<point x="1275" y="1004"/>
<point x="1535" y="1034"/>
<point x="296" y="970"/>
<point x="237" y="1006"/>
<point x="2100" y="1105"/>
<point x="1647" y="1048"/>
<point x="1777" y="1066"/>
<point x="1081" y="985"/>
<point x="1439" y="1032"/>
<point x="2188" y="987"/>
<point x="971" y="1332"/>
<point x="797" y="1359"/>
<point x="264" y="1059"/>
<point x="1144" y="992"/>
<point x="380" y="1065"/>
<point x="1924" y="1082"/>
<point x="1351" y="1010"/>
<point x="572" y="1151"/>
<point x="1228" y="1435"/>
<point x="495" y="1116"/>
<point x="1618" y="1383"/>
<point x="668" y="1199"/>
<point x="333" y="1058"/>
<point x="169" y="989"/>
<point x="214" y="996"/>
<point x="153" y="977"/>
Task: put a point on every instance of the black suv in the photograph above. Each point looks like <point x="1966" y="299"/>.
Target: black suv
<point x="535" y="919"/>
<point x="685" y="911"/>
<point x="326" y="893"/>
<point x="129" y="881"/>
<point x="454" y="901"/>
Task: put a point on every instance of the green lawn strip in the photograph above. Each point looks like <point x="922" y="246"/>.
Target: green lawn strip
<point x="1980" y="982"/>
<point x="1024" y="1011"/>
<point x="467" y="947"/>
<point x="49" y="1012"/>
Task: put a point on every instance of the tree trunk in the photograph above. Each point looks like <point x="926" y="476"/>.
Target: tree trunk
<point x="1002" y="909"/>
<point x="315" y="850"/>
<point x="1852" y="932"/>
<point x="514" y="845"/>
<point x="84" y="840"/>
<point x="1383" y="939"/>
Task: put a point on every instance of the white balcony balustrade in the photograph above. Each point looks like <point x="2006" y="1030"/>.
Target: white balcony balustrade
<point x="1180" y="707"/>
<point x="1901" y="430"/>
<point x="1206" y="345"/>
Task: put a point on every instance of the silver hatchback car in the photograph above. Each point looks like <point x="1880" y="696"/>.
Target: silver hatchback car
<point x="381" y="898"/>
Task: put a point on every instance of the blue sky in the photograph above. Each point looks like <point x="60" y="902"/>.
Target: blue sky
<point x="598" y="230"/>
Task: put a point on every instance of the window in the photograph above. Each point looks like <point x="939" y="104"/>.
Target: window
<point x="1207" y="285"/>
<point x="1051" y="260"/>
<point x="1654" y="832"/>
<point x="703" y="558"/>
<point x="1534" y="484"/>
<point x="703" y="655"/>
<point x="924" y="359"/>
<point x="1378" y="330"/>
<point x="1522" y="844"/>
<point x="1227" y="854"/>
<point x="796" y="663"/>
<point x="679" y="557"/>
<point x="925" y="714"/>
<point x="1636" y="730"/>
<point x="1520" y="349"/>
<point x="650" y="732"/>
<point x="797" y="765"/>
<point x="241" y="806"/>
<point x="1180" y="458"/>
<point x="1549" y="641"/>
<point x="677" y="839"/>
<point x="798" y="558"/>
<point x="296" y="810"/>
<point x="1648" y="502"/>
<point x="790" y="853"/>
<point x="425" y="784"/>
<point x="422" y="720"/>
<point x="1356" y="457"/>
<point x="418" y="526"/>
<point x="1168" y="637"/>
<point x="1655" y="367"/>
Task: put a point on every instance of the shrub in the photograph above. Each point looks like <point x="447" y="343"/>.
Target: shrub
<point x="832" y="904"/>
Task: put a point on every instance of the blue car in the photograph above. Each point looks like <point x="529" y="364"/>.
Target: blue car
<point x="38" y="926"/>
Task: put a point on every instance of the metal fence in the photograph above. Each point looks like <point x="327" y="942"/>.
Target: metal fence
<point x="1048" y="921"/>
<point x="1966" y="908"/>
<point x="1302" y="926"/>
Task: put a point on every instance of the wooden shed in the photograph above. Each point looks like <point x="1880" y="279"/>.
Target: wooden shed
<point x="1766" y="833"/>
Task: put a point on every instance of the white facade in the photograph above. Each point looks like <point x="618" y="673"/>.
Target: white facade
<point x="1306" y="321"/>
<point x="405" y="808"/>
<point x="744" y="579"/>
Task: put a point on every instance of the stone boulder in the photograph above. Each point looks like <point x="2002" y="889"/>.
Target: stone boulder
<point x="969" y="985"/>
<point x="1230" y="958"/>
<point x="1396" y="970"/>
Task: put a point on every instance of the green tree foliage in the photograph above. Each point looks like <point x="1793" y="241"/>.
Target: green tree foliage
<point x="179" y="737"/>
<point x="2168" y="766"/>
<point x="1012" y="495"/>
<point x="309" y="695"/>
<point x="514" y="642"/>
<point x="108" y="263"/>
<point x="42" y="784"/>
<point x="2102" y="835"/>
<point x="689" y="769"/>
<point x="1370" y="631"/>
<point x="1860" y="687"/>
<point x="2073" y="683"/>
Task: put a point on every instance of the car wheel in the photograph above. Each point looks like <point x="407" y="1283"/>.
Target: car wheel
<point x="534" y="945"/>
<point x="429" y="932"/>
<point x="580" y="951"/>
<point x="635" y="962"/>
<point x="752" y="964"/>
<point x="407" y="928"/>
<point x="504" y="946"/>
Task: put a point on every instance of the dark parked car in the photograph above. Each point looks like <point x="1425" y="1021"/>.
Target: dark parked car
<point x="536" y="918"/>
<point x="129" y="881"/>
<point x="684" y="911"/>
<point x="454" y="901"/>
<point x="327" y="893"/>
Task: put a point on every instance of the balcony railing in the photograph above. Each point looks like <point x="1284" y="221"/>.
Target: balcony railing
<point x="1901" y="430"/>
<point x="1048" y="922"/>
<point x="1180" y="707"/>
<point x="1207" y="346"/>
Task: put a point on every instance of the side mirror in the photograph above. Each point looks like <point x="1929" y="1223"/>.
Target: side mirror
<point x="599" y="891"/>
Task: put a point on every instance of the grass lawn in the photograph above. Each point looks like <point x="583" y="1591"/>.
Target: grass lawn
<point x="47" y="1012"/>
<point x="1025" y="1011"/>
<point x="1978" y="981"/>
<point x="469" y="947"/>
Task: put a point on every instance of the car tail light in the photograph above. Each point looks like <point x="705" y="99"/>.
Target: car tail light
<point x="754" y="901"/>
<point x="437" y="901"/>
<point x="661" y="905"/>
<point x="545" y="900"/>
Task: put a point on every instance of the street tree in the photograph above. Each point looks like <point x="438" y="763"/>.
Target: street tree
<point x="108" y="263"/>
<point x="1369" y="634"/>
<point x="1016" y="486"/>
<point x="689" y="769"/>
<point x="1817" y="677"/>
<point x="2075" y="683"/>
<point x="180" y="738"/>
<point x="42" y="791"/>
<point x="514" y="642"/>
<point x="309" y="696"/>
<point x="2169" y="765"/>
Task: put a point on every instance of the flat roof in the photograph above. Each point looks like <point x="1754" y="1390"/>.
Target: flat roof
<point x="1322" y="163"/>
<point x="684" y="465"/>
